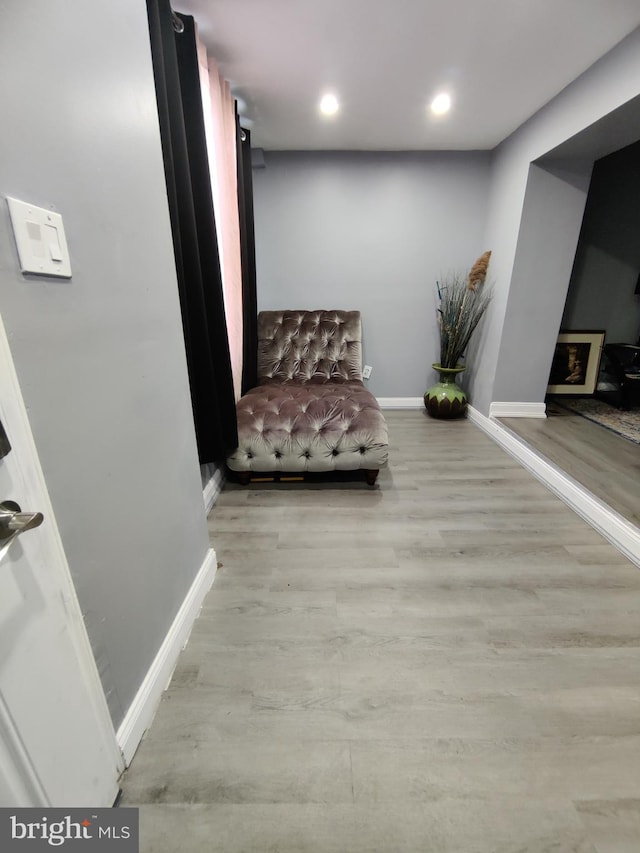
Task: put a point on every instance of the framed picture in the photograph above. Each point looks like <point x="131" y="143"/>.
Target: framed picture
<point x="576" y="362"/>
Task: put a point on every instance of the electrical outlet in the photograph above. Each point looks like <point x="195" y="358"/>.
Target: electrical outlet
<point x="367" y="371"/>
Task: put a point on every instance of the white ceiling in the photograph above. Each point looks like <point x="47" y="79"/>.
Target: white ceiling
<point x="501" y="60"/>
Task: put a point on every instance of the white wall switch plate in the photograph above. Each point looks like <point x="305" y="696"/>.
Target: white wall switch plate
<point x="40" y="239"/>
<point x="367" y="370"/>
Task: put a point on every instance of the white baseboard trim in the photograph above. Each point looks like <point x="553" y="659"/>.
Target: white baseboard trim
<point x="610" y="524"/>
<point x="212" y="489"/>
<point x="517" y="410"/>
<point x="142" y="709"/>
<point x="401" y="402"/>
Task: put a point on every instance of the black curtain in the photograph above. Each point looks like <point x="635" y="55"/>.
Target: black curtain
<point x="248" y="254"/>
<point x="175" y="66"/>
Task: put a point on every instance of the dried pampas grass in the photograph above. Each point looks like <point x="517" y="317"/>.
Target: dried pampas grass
<point x="461" y="303"/>
<point x="478" y="272"/>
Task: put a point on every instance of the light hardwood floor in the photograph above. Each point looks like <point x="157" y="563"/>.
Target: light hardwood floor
<point x="604" y="463"/>
<point x="446" y="663"/>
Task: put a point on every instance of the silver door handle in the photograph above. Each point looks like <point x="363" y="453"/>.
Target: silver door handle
<point x="13" y="522"/>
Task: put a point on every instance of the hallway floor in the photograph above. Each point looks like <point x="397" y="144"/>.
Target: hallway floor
<point x="449" y="662"/>
<point x="604" y="463"/>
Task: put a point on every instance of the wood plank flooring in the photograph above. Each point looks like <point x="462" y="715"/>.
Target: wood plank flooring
<point x="604" y="463"/>
<point x="446" y="663"/>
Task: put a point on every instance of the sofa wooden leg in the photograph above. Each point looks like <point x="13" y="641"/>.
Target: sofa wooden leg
<point x="371" y="475"/>
<point x="243" y="477"/>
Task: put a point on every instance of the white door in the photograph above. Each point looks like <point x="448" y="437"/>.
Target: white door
<point x="57" y="744"/>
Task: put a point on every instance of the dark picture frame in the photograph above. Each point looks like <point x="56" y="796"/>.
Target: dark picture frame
<point x="576" y="362"/>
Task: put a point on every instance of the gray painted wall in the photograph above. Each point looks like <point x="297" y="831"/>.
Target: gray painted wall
<point x="549" y="227"/>
<point x="101" y="358"/>
<point x="607" y="264"/>
<point x="607" y="86"/>
<point x="371" y="231"/>
<point x="375" y="230"/>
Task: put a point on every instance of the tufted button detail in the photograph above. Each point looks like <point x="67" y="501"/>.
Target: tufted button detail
<point x="317" y="338"/>
<point x="309" y="406"/>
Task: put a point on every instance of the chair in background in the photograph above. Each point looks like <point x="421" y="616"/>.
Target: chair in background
<point x="619" y="382"/>
<point x="310" y="412"/>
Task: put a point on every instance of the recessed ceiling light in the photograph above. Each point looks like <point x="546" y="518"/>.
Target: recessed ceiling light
<point x="441" y="104"/>
<point x="329" y="105"/>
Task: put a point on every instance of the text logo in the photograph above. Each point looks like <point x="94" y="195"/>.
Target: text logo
<point x="105" y="830"/>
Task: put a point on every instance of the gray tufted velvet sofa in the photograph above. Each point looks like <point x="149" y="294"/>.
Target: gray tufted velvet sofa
<point x="310" y="411"/>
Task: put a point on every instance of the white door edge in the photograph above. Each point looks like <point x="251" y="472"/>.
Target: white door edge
<point x="17" y="765"/>
<point x="21" y="437"/>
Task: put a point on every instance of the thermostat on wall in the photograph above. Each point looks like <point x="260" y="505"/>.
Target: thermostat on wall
<point x="40" y="238"/>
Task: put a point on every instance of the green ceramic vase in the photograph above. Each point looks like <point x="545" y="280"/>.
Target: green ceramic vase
<point x="446" y="399"/>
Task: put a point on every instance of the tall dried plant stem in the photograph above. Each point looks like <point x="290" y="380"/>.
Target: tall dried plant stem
<point x="462" y="303"/>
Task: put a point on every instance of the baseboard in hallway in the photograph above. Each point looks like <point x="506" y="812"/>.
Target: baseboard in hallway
<point x="141" y="711"/>
<point x="617" y="530"/>
<point x="212" y="485"/>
